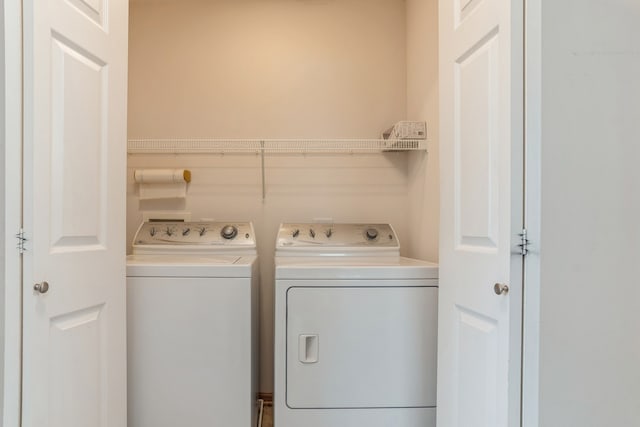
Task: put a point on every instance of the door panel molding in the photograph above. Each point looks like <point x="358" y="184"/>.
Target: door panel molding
<point x="476" y="145"/>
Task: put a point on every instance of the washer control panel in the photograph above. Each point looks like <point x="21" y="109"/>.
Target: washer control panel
<point x="195" y="233"/>
<point x="309" y="234"/>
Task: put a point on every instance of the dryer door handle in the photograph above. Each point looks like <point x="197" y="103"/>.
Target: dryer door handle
<point x="308" y="348"/>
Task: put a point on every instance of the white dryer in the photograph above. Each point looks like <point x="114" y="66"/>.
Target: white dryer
<point x="355" y="329"/>
<point x="192" y="325"/>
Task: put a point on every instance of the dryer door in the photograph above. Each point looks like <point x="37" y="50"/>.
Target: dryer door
<point x="361" y="344"/>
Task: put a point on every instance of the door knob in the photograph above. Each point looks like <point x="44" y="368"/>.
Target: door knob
<point x="41" y="287"/>
<point x="500" y="288"/>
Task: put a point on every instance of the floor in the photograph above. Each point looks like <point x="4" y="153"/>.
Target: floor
<point x="267" y="416"/>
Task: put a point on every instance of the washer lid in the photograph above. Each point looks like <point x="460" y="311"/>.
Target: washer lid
<point x="349" y="267"/>
<point x="190" y="266"/>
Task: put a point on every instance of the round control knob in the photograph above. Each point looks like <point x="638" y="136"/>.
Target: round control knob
<point x="229" y="232"/>
<point x="371" y="233"/>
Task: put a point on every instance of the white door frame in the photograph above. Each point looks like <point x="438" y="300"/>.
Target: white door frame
<point x="12" y="110"/>
<point x="533" y="139"/>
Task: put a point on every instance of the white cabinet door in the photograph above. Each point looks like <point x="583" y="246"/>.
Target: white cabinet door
<point x="481" y="62"/>
<point x="359" y="346"/>
<point x="74" y="359"/>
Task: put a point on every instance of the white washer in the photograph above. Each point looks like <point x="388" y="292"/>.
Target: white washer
<point x="192" y="318"/>
<point x="355" y="329"/>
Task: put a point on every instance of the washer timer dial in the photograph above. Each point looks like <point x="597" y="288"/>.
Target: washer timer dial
<point x="371" y="233"/>
<point x="229" y="232"/>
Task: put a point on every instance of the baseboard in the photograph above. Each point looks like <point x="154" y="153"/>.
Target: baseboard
<point x="266" y="397"/>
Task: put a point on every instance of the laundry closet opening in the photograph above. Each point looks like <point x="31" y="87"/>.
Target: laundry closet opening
<point x="308" y="69"/>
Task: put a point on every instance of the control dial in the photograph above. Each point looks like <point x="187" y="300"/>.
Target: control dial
<point x="371" y="233"/>
<point x="229" y="232"/>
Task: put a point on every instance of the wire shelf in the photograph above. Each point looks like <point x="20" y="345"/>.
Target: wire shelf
<point x="197" y="146"/>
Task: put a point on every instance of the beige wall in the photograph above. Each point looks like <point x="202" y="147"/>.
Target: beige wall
<point x="266" y="68"/>
<point x="422" y="104"/>
<point x="285" y="69"/>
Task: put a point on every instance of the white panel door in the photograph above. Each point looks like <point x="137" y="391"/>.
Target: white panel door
<point x="481" y="111"/>
<point x="74" y="359"/>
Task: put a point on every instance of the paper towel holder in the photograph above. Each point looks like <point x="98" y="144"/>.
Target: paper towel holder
<point x="162" y="183"/>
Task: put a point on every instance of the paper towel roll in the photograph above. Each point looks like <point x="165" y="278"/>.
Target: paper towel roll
<point x="162" y="183"/>
<point x="161" y="176"/>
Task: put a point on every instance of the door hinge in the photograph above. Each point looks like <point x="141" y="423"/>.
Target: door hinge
<point x="21" y="241"/>
<point x="524" y="242"/>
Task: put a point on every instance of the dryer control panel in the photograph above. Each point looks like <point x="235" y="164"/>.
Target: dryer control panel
<point x="338" y="235"/>
<point x="205" y="233"/>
